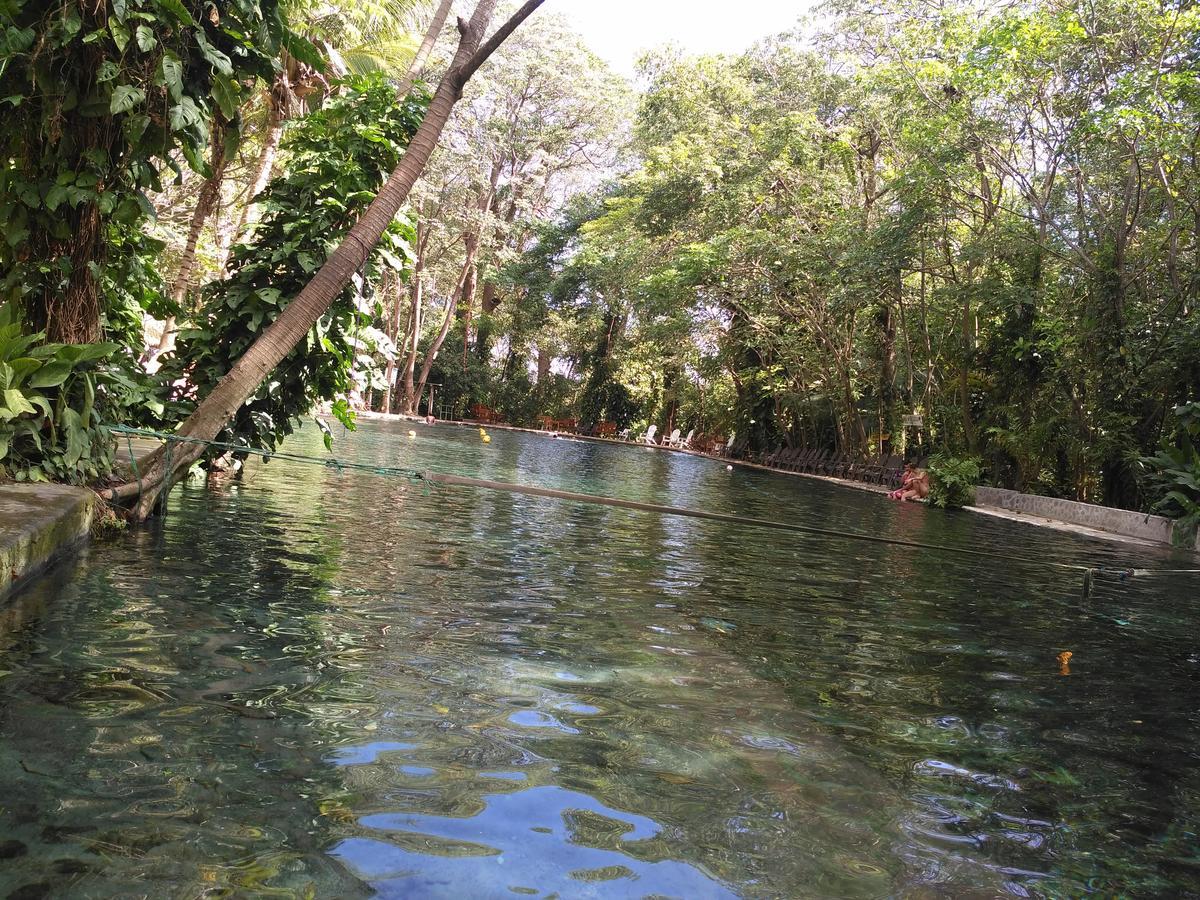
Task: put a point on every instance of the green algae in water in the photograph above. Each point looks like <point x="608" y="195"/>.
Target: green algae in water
<point x="313" y="685"/>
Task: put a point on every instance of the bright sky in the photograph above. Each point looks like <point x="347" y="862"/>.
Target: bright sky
<point x="619" y="30"/>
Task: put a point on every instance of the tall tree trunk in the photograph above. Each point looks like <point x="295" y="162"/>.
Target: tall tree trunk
<point x="295" y="322"/>
<point x="397" y="393"/>
<point x="491" y="297"/>
<point x="431" y="354"/>
<point x="469" y="282"/>
<point x="436" y="24"/>
<point x="73" y="317"/>
<point x="413" y="335"/>
<point x="391" y="288"/>
<point x="887" y="368"/>
<point x="210" y="192"/>
<point x="278" y="99"/>
<point x="474" y="239"/>
<point x="964" y="370"/>
<point x="68" y="314"/>
<point x="488" y="301"/>
<point x="416" y="320"/>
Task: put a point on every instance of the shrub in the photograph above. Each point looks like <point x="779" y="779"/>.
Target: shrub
<point x="49" y="429"/>
<point x="1174" y="472"/>
<point x="952" y="481"/>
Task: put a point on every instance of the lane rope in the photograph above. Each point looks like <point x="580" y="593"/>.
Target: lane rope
<point x="427" y="477"/>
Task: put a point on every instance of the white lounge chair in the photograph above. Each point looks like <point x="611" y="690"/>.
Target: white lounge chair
<point x="673" y="440"/>
<point x="648" y="437"/>
<point x="686" y="443"/>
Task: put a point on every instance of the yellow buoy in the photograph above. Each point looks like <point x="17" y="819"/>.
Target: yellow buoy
<point x="481" y="431"/>
<point x="487" y="439"/>
<point x="412" y="434"/>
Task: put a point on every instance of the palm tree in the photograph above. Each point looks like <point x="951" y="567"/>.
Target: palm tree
<point x="371" y="35"/>
<point x="314" y="300"/>
<point x="352" y="37"/>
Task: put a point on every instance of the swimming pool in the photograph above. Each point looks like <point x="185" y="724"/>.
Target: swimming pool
<point x="313" y="684"/>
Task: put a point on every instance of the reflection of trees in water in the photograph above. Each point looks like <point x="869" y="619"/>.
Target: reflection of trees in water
<point x="588" y="585"/>
<point x="159" y="721"/>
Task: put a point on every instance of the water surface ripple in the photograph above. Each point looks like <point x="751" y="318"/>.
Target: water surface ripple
<point x="312" y="684"/>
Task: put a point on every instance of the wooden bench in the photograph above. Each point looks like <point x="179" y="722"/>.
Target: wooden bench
<point x="484" y="413"/>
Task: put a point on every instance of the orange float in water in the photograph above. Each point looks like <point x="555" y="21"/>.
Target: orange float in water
<point x="1064" y="662"/>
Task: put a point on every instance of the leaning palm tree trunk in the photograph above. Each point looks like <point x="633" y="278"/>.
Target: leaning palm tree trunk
<point x="206" y="422"/>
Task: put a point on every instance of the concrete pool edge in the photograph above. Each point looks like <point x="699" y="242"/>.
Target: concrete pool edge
<point x="39" y="523"/>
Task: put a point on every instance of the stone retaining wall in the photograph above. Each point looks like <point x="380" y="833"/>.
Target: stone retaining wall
<point x="1118" y="521"/>
<point x="39" y="522"/>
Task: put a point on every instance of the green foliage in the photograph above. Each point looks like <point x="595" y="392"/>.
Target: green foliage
<point x="339" y="157"/>
<point x="831" y="233"/>
<point x="49" y="426"/>
<point x="97" y="98"/>
<point x="1174" y="472"/>
<point x="952" y="481"/>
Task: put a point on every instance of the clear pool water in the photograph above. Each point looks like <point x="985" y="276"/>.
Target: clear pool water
<point x="317" y="685"/>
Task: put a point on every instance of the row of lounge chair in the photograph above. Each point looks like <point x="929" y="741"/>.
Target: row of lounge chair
<point x="679" y="443"/>
<point x="883" y="469"/>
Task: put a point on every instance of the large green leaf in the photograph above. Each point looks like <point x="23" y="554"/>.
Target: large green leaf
<point x="225" y="94"/>
<point x="16" y="345"/>
<point x="171" y="75"/>
<point x="76" y="435"/>
<point x="15" y="404"/>
<point x="52" y="374"/>
<point x="124" y="98"/>
<point x="218" y="60"/>
<point x="185" y="114"/>
<point x="145" y="38"/>
<point x="305" y="51"/>
<point x="77" y="353"/>
<point x="20" y="369"/>
<point x="177" y="10"/>
<point x="120" y="35"/>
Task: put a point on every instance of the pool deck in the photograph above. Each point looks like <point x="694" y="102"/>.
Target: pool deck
<point x="38" y="524"/>
<point x="995" y="511"/>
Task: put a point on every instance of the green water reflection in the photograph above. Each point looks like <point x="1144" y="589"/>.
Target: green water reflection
<point x="321" y="685"/>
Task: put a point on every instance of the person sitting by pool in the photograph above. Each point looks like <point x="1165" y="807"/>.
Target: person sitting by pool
<point x="910" y="469"/>
<point x="918" y="486"/>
